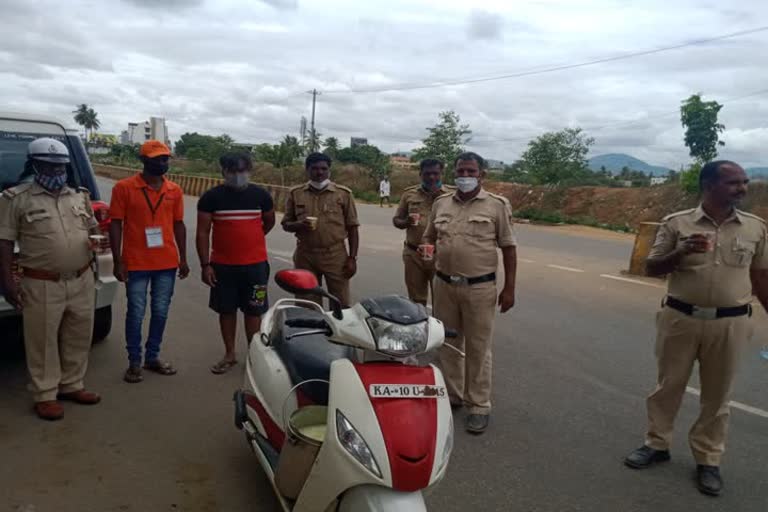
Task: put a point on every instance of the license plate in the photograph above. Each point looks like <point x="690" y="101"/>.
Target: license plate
<point x="406" y="391"/>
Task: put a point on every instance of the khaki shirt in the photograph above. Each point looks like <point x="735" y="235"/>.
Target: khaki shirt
<point x="417" y="200"/>
<point x="719" y="278"/>
<point x="51" y="232"/>
<point x="467" y="234"/>
<point x="334" y="208"/>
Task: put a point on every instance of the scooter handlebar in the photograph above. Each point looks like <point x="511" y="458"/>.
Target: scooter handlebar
<point x="451" y="333"/>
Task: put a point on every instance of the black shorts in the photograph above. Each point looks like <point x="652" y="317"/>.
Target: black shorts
<point x="236" y="287"/>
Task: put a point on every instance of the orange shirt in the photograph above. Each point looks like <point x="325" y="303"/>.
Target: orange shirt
<point x="133" y="202"/>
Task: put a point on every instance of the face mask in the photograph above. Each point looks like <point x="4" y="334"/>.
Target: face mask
<point x="156" y="168"/>
<point x="428" y="188"/>
<point x="237" y="179"/>
<point x="319" y="185"/>
<point x="51" y="182"/>
<point x="466" y="185"/>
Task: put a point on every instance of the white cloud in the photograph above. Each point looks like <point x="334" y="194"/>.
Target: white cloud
<point x="244" y="67"/>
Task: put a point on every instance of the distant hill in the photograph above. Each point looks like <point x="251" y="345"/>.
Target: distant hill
<point x="614" y="162"/>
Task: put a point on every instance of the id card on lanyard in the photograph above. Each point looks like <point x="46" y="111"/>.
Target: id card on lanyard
<point x="153" y="234"/>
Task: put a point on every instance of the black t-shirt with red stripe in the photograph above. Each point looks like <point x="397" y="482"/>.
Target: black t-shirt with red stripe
<point x="238" y="232"/>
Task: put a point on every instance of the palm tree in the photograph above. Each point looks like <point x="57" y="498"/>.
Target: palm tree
<point x="81" y="116"/>
<point x="92" y="121"/>
<point x="331" y="147"/>
<point x="86" y="117"/>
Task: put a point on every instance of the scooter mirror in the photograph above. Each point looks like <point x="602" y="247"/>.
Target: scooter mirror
<point x="297" y="281"/>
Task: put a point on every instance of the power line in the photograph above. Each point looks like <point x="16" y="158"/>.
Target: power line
<point x="552" y="69"/>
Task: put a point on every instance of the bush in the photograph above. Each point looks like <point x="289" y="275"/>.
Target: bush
<point x="689" y="180"/>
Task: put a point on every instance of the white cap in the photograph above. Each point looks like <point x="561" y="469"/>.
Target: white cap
<point x="48" y="150"/>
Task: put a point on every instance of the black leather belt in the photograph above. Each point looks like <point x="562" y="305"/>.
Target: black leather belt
<point x="412" y="247"/>
<point x="707" y="313"/>
<point x="466" y="280"/>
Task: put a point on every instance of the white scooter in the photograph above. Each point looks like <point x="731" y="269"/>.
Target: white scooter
<point x="338" y="416"/>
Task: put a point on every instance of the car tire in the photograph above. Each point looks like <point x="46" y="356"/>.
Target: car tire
<point x="102" y="323"/>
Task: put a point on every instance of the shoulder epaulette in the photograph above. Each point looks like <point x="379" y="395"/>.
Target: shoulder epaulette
<point x="12" y="192"/>
<point x="499" y="197"/>
<point x="751" y="216"/>
<point x="84" y="191"/>
<point x="443" y="196"/>
<point x="678" y="214"/>
<point x="412" y="187"/>
<point x="345" y="189"/>
<point x="297" y="187"/>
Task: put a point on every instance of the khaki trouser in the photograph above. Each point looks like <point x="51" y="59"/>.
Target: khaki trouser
<point x="717" y="345"/>
<point x="325" y="263"/>
<point x="418" y="276"/>
<point x="471" y="311"/>
<point x="58" y="327"/>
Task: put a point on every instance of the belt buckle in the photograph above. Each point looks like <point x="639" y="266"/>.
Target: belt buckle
<point x="67" y="276"/>
<point x="458" y="280"/>
<point x="704" y="313"/>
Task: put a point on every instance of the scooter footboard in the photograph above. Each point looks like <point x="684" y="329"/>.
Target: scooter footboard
<point x="375" y="498"/>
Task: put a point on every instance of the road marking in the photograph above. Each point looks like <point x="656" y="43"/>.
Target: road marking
<point x="568" y="269"/>
<point x="525" y="260"/>
<point x="284" y="260"/>
<point x="633" y="281"/>
<point x="735" y="405"/>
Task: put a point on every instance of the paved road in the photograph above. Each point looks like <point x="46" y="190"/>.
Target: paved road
<point x="573" y="363"/>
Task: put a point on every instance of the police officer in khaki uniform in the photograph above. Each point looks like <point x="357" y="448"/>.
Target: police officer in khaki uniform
<point x="412" y="215"/>
<point x="467" y="227"/>
<point x="51" y="222"/>
<point x="715" y="256"/>
<point x="322" y="214"/>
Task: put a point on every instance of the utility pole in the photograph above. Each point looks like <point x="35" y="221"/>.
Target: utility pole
<point x="312" y="133"/>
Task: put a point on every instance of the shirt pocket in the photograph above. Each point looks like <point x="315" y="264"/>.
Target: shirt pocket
<point x="740" y="252"/>
<point x="39" y="221"/>
<point x="333" y="213"/>
<point x="442" y="225"/>
<point x="482" y="227"/>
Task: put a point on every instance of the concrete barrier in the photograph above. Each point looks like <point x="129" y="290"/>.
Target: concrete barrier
<point x="646" y="234"/>
<point x="192" y="185"/>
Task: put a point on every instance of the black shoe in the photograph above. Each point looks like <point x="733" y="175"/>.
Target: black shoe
<point x="645" y="456"/>
<point x="708" y="480"/>
<point x="477" y="423"/>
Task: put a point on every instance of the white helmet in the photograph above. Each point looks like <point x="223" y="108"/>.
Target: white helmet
<point x="48" y="150"/>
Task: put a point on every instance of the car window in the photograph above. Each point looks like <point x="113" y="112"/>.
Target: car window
<point x="14" y="139"/>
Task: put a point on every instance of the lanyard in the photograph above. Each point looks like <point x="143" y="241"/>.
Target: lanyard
<point x="149" y="203"/>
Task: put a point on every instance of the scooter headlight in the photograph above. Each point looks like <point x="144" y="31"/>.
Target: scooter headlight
<point x="399" y="340"/>
<point x="354" y="443"/>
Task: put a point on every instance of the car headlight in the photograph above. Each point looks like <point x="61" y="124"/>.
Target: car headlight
<point x="354" y="443"/>
<point x="398" y="340"/>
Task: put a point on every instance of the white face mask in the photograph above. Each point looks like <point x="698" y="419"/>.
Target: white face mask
<point x="466" y="184"/>
<point x="319" y="185"/>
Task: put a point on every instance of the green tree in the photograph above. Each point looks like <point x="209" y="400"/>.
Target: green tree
<point x="368" y="156"/>
<point x="331" y="147"/>
<point x="558" y="158"/>
<point x="446" y="140"/>
<point x="515" y="173"/>
<point x="88" y="118"/>
<point x="702" y="131"/>
<point x="208" y="148"/>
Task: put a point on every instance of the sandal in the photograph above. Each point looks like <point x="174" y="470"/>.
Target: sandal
<point x="160" y="367"/>
<point x="223" y="366"/>
<point x="133" y="375"/>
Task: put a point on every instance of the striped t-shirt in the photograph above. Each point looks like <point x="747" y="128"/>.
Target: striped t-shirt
<point x="238" y="232"/>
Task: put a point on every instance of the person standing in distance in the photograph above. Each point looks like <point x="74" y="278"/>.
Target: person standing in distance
<point x="385" y="188"/>
<point x="466" y="228"/>
<point x="238" y="215"/>
<point x="51" y="224"/>
<point x="714" y="256"/>
<point x="149" y="246"/>
<point x="412" y="215"/>
<point x="322" y="214"/>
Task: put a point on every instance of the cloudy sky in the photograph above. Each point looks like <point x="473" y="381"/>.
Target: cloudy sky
<point x="242" y="67"/>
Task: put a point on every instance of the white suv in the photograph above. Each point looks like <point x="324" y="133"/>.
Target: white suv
<point x="16" y="132"/>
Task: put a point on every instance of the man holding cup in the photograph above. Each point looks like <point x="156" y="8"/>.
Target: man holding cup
<point x="412" y="215"/>
<point x="465" y="229"/>
<point x="322" y="215"/>
<point x="715" y="256"/>
<point x="51" y="223"/>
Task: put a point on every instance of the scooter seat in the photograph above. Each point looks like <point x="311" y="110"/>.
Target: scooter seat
<point x="308" y="357"/>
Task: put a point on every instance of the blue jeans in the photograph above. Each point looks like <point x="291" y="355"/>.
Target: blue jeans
<point x="161" y="291"/>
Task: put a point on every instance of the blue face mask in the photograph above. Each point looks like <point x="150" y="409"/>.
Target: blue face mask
<point x="51" y="182"/>
<point x="426" y="187"/>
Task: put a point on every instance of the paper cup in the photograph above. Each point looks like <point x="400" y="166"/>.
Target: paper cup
<point x="98" y="241"/>
<point x="427" y="252"/>
<point x="312" y="223"/>
<point x="414" y="218"/>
